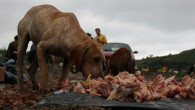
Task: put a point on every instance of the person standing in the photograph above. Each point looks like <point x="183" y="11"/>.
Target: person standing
<point x="12" y="49"/>
<point x="101" y="41"/>
<point x="32" y="54"/>
<point x="100" y="38"/>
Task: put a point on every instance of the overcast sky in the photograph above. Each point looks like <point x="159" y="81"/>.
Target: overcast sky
<point x="152" y="27"/>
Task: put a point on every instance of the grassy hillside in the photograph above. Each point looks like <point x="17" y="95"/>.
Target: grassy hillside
<point x="181" y="61"/>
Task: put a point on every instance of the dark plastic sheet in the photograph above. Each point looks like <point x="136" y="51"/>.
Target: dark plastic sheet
<point x="77" y="99"/>
<point x="11" y="72"/>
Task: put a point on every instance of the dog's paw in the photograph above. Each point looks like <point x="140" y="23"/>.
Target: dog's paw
<point x="44" y="90"/>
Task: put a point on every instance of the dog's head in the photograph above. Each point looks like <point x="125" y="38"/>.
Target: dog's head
<point x="88" y="59"/>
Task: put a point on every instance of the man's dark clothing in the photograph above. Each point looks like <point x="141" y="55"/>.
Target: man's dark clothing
<point x="32" y="54"/>
<point x="10" y="52"/>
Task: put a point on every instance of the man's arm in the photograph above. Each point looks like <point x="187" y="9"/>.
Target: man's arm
<point x="104" y="40"/>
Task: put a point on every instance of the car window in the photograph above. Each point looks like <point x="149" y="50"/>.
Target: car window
<point x="115" y="47"/>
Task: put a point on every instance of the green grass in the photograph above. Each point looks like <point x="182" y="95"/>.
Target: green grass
<point x="181" y="61"/>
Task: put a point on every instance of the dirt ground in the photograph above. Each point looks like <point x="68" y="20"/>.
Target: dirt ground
<point x="10" y="99"/>
<point x="152" y="75"/>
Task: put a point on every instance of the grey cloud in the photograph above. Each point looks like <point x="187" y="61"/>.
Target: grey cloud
<point x="167" y="15"/>
<point x="149" y="26"/>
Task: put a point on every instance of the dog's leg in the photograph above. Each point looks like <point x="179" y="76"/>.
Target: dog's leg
<point x="32" y="72"/>
<point x="65" y="71"/>
<point x="22" y="46"/>
<point x="130" y="66"/>
<point x="107" y="69"/>
<point x="41" y="55"/>
<point x="114" y="70"/>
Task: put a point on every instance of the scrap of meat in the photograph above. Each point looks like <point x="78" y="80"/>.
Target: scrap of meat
<point x="124" y="86"/>
<point x="79" y="88"/>
<point x="66" y="85"/>
<point x="134" y="87"/>
<point x="188" y="85"/>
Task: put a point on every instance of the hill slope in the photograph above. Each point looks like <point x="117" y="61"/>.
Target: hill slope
<point x="178" y="62"/>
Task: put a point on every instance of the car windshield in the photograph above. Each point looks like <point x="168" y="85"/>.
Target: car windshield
<point x="115" y="46"/>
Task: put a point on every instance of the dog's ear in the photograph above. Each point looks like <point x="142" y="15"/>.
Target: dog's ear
<point x="76" y="57"/>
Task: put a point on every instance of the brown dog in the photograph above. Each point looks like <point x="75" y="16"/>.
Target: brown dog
<point x="120" y="61"/>
<point x="59" y="34"/>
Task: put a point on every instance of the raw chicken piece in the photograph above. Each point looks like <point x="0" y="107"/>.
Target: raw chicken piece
<point x="139" y="76"/>
<point x="79" y="88"/>
<point x="108" y="78"/>
<point x="66" y="85"/>
<point x="189" y="85"/>
<point x="105" y="89"/>
<point x="142" y="93"/>
<point x="158" y="79"/>
<point x="133" y="87"/>
<point x="122" y="93"/>
<point x="168" y="80"/>
<point x="171" y="90"/>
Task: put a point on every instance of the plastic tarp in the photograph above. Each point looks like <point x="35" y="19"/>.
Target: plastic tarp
<point x="11" y="72"/>
<point x="60" y="98"/>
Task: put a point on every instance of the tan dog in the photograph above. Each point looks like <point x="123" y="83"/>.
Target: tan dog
<point x="59" y="34"/>
<point x="120" y="61"/>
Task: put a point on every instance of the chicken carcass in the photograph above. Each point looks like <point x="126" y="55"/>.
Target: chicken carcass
<point x="134" y="87"/>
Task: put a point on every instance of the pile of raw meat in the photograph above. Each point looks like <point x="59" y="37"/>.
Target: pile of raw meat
<point x="133" y="87"/>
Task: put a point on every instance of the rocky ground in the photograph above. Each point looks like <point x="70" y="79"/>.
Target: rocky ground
<point x="10" y="99"/>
